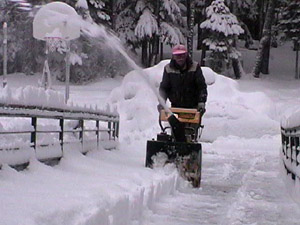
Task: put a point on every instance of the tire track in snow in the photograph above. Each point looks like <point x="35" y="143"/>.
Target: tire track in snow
<point x="207" y="205"/>
<point x="263" y="199"/>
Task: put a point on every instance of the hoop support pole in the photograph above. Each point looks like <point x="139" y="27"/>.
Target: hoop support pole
<point x="67" y="93"/>
<point x="4" y="81"/>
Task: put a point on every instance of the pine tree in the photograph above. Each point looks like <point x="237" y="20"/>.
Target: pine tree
<point x="20" y="42"/>
<point x="222" y="28"/>
<point x="246" y="11"/>
<point x="290" y="27"/>
<point x="125" y="23"/>
<point x="171" y="24"/>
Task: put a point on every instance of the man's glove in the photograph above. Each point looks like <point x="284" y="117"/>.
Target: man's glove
<point x="159" y="107"/>
<point x="201" y="107"/>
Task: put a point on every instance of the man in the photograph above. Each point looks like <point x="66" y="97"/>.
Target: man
<point x="183" y="82"/>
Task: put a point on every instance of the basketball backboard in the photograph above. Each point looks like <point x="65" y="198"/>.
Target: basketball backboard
<point x="56" y="19"/>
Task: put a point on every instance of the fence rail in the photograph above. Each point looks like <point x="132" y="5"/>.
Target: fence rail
<point x="58" y="118"/>
<point x="290" y="150"/>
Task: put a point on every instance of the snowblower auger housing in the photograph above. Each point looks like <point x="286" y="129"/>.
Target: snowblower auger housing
<point x="180" y="146"/>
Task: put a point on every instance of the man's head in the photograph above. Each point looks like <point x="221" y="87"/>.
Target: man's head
<point x="179" y="54"/>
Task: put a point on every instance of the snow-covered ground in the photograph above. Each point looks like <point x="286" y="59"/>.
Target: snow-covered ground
<point x="241" y="182"/>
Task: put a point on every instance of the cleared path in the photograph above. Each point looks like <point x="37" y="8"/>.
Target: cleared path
<point x="237" y="189"/>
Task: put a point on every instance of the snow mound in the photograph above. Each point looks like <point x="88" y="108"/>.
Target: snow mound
<point x="228" y="107"/>
<point x="291" y="118"/>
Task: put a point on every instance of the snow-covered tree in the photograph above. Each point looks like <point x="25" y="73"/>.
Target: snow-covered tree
<point x="200" y="6"/>
<point x="21" y="56"/>
<point x="147" y="23"/>
<point x="290" y="27"/>
<point x="125" y="24"/>
<point x="171" y="25"/>
<point x="222" y="28"/>
<point x="247" y="12"/>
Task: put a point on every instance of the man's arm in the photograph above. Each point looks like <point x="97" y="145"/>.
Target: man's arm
<point x="202" y="87"/>
<point x="165" y="86"/>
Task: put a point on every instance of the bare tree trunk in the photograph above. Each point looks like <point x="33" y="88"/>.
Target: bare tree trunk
<point x="236" y="68"/>
<point x="153" y="55"/>
<point x="145" y="52"/>
<point x="161" y="51"/>
<point x="150" y="50"/>
<point x="155" y="42"/>
<point x="113" y="14"/>
<point x="190" y="24"/>
<point x="199" y="38"/>
<point x="200" y="32"/>
<point x="236" y="65"/>
<point x="266" y="58"/>
<point x="203" y="55"/>
<point x="261" y="17"/>
<point x="265" y="40"/>
<point x="247" y="34"/>
<point x="297" y="75"/>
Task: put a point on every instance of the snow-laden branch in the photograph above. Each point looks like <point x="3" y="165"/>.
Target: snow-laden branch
<point x="171" y="7"/>
<point x="147" y="25"/>
<point x="171" y="35"/>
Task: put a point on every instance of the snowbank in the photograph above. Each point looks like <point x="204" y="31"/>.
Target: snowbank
<point x="291" y="119"/>
<point x="39" y="97"/>
<point x="101" y="189"/>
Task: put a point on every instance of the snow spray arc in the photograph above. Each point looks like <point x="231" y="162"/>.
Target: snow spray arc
<point x="100" y="34"/>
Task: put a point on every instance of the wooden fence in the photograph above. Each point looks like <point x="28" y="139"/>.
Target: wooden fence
<point x="58" y="117"/>
<point x="290" y="138"/>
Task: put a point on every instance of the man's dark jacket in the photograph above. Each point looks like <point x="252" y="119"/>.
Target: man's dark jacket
<point x="184" y="88"/>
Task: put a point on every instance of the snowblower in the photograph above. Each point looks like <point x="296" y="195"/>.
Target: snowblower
<point x="180" y="144"/>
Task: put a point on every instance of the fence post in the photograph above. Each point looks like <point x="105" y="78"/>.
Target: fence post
<point x="293" y="146"/>
<point x="117" y="129"/>
<point x="288" y="143"/>
<point x="297" y="150"/>
<point x="81" y="125"/>
<point x="114" y="130"/>
<point x="97" y="133"/>
<point x="61" y="134"/>
<point x="109" y="128"/>
<point x="33" y="133"/>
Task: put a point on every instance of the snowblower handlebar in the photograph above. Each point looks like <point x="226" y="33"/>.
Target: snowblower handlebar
<point x="183" y="115"/>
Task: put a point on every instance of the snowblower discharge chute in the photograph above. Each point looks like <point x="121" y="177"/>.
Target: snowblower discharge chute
<point x="180" y="146"/>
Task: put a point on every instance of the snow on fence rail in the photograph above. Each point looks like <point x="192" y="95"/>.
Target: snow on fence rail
<point x="44" y="133"/>
<point x="290" y="137"/>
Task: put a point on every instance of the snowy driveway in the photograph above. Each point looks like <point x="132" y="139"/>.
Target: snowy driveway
<point x="237" y="189"/>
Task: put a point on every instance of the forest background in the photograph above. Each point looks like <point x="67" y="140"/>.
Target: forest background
<point x="148" y="28"/>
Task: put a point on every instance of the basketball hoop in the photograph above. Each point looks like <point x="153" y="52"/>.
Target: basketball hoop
<point x="56" y="24"/>
<point x="56" y="44"/>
